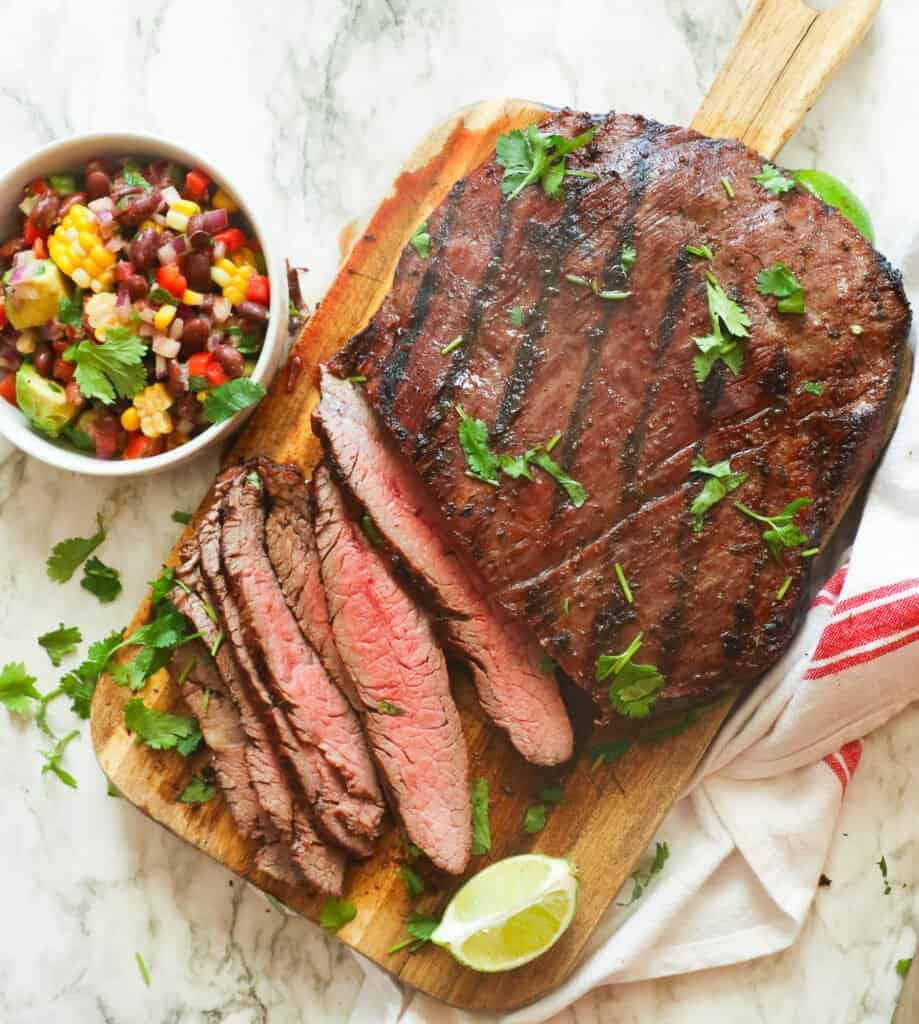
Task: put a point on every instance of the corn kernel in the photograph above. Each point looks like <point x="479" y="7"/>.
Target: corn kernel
<point x="80" y="277"/>
<point x="201" y="396"/>
<point x="88" y="240"/>
<point x="186" y="207"/>
<point x="158" y="228"/>
<point x="223" y="202"/>
<point x="176" y="221"/>
<point x="191" y="298"/>
<point x="164" y="317"/>
<point x="130" y="419"/>
<point x="151" y="405"/>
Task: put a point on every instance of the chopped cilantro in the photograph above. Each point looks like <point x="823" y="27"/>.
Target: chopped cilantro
<point x="812" y="387"/>
<point x="516" y="315"/>
<point x="772" y="180"/>
<point x="183" y="518"/>
<point x="783" y="589"/>
<point x="386" y="707"/>
<point x="161" y="587"/>
<point x="70" y="310"/>
<point x="481" y="462"/>
<point x="452" y="346"/>
<point x="721" y="481"/>
<point x="113" y="368"/>
<point x="142" y="967"/>
<point x="529" y="157"/>
<point x="882" y="867"/>
<point x="414" y="884"/>
<point x="535" y="819"/>
<point x="336" y="913"/>
<point x="781" y="531"/>
<point x="53" y="759"/>
<point x="358" y="378"/>
<point x="641" y="878"/>
<point x="608" y="752"/>
<point x="481" y="826"/>
<point x="596" y="287"/>
<point x="903" y="966"/>
<point x="370" y="530"/>
<point x="421" y="240"/>
<point x="223" y="402"/>
<point x="702" y="251"/>
<point x="159" y="730"/>
<point x="627" y="256"/>
<point x="164" y="298"/>
<point x="575" y="491"/>
<point x="727" y="186"/>
<point x="198" y="791"/>
<point x="729" y="325"/>
<point x="634" y="688"/>
<point x="101" y="579"/>
<point x="420" y="928"/>
<point x="624" y="584"/>
<point x="67" y="555"/>
<point x="17" y="688"/>
<point x="60" y="642"/>
<point x="780" y="282"/>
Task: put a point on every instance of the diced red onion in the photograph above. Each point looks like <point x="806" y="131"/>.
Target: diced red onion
<point x="180" y="244"/>
<point x="159" y="218"/>
<point x="147" y="313"/>
<point x="167" y="253"/>
<point x="115" y="244"/>
<point x="171" y="194"/>
<point x="168" y="348"/>
<point x="216" y="220"/>
<point x="214" y="339"/>
<point x="176" y="328"/>
<point x="22" y="264"/>
<point x="102" y="203"/>
<point x="222" y="309"/>
<point x="160" y="368"/>
<point x="123" y="305"/>
<point x="220" y="250"/>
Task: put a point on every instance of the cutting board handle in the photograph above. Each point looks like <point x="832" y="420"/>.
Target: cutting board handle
<point x="801" y="47"/>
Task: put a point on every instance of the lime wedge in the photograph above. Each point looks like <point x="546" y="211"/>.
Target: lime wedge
<point x="834" y="193"/>
<point x="510" y="913"/>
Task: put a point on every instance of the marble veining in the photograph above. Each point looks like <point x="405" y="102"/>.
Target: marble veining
<point x="313" y="106"/>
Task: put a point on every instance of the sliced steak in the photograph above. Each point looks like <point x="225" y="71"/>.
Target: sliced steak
<point x="390" y="651"/>
<point x="514" y="691"/>
<point x="204" y="692"/>
<point x="615" y="379"/>
<point x="341" y="783"/>
<point x="291" y="548"/>
<point x="288" y="827"/>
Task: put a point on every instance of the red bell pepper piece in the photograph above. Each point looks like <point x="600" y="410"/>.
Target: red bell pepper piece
<point x="258" y="289"/>
<point x="172" y="280"/>
<point x="8" y="389"/>
<point x="233" y="239"/>
<point x="196" y="184"/>
<point x="140" y="446"/>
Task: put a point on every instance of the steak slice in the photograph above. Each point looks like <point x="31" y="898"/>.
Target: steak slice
<point x="204" y="692"/>
<point x="289" y="834"/>
<point x="341" y="783"/>
<point x="291" y="547"/>
<point x="514" y="691"/>
<point x="409" y="715"/>
<point x="615" y="380"/>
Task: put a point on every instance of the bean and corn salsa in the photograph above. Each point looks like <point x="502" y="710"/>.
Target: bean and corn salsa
<point x="135" y="301"/>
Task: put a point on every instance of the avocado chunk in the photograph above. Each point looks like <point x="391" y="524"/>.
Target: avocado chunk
<point x="33" y="292"/>
<point x="43" y="402"/>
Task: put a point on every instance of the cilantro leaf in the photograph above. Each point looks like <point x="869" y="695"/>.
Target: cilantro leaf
<point x="529" y="157"/>
<point x="336" y="913"/>
<point x="53" y="760"/>
<point x="812" y="387"/>
<point x="137" y="671"/>
<point x="101" y="579"/>
<point x="882" y="867"/>
<point x="67" y="555"/>
<point x="70" y="310"/>
<point x="781" y="532"/>
<point x="634" y="688"/>
<point x="17" y="688"/>
<point x="575" y="491"/>
<point x="163" y="298"/>
<point x="183" y="518"/>
<point x="780" y="282"/>
<point x="159" y="730"/>
<point x="132" y="176"/>
<point x="420" y="928"/>
<point x="903" y="966"/>
<point x="166" y="629"/>
<point x="481" y="826"/>
<point x="225" y="401"/>
<point x="772" y="180"/>
<point x="609" y="752"/>
<point x="386" y="707"/>
<point x="481" y="462"/>
<point x="641" y="878"/>
<point x="726" y="316"/>
<point x="161" y="587"/>
<point x="725" y="310"/>
<point x="198" y="791"/>
<point x="80" y="684"/>
<point x="114" y="368"/>
<point x="421" y="240"/>
<point x="721" y="481"/>
<point x="414" y="884"/>
<point x="535" y="819"/>
<point x="60" y="642"/>
<point x="627" y="256"/>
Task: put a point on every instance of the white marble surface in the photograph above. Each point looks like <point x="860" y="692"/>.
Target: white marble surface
<point x="313" y="105"/>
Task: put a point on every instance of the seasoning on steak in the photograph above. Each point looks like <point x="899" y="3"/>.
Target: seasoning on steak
<point x="286" y="824"/>
<point x="291" y="548"/>
<point x="409" y="715"/>
<point x="514" y="690"/>
<point x="542" y="353"/>
<point x="341" y="783"/>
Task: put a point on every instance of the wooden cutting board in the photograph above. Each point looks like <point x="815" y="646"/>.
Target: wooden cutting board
<point x="783" y="56"/>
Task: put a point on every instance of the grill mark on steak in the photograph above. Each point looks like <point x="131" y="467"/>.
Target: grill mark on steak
<point x="289" y="850"/>
<point x="393" y="371"/>
<point x="390" y="650"/>
<point x="504" y="662"/>
<point x="339" y="778"/>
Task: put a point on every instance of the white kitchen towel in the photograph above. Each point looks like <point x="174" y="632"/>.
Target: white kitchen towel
<point x="749" y="839"/>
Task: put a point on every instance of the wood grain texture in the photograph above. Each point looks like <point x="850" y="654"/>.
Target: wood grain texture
<point x="609" y="815"/>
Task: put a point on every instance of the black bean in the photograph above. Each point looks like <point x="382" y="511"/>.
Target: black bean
<point x="196" y="266"/>
<point x="143" y="249"/>
<point x="231" y="361"/>
<point x="200" y="240"/>
<point x="98" y="184"/>
<point x="43" y="359"/>
<point x="137" y="210"/>
<point x="254" y="312"/>
<point x="176" y="378"/>
<point x="194" y="335"/>
<point x="187" y="406"/>
<point x="44" y="212"/>
<point x="137" y="286"/>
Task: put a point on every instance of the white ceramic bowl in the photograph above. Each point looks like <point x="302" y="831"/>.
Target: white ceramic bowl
<point x="71" y="154"/>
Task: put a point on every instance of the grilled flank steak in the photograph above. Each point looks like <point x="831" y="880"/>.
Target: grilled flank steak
<point x="618" y="372"/>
